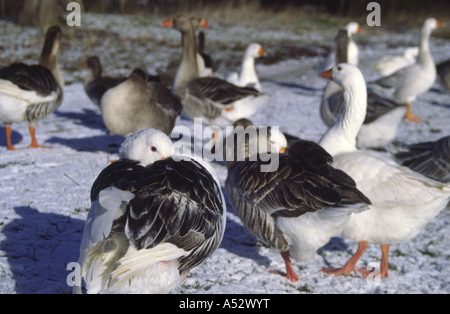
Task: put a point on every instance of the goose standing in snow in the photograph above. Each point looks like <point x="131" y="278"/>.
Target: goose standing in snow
<point x="32" y="92"/>
<point x="391" y="64"/>
<point x="247" y="76"/>
<point x="405" y="85"/>
<point x="383" y="115"/>
<point x="217" y="101"/>
<point x="137" y="104"/>
<point x="153" y="218"/>
<point x="97" y="84"/>
<point x="431" y="159"/>
<point x="403" y="201"/>
<point x="299" y="206"/>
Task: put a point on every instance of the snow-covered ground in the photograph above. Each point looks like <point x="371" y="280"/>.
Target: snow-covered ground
<point x="44" y="193"/>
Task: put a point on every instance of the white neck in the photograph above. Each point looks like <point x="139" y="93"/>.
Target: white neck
<point x="341" y="137"/>
<point x="425" y="57"/>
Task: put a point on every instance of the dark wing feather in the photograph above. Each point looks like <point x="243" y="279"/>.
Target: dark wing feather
<point x="122" y="174"/>
<point x="219" y="91"/>
<point x="30" y="77"/>
<point x="431" y="159"/>
<point x="179" y="203"/>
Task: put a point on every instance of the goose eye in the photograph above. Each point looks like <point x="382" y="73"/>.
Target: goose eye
<point x="339" y="68"/>
<point x="153" y="149"/>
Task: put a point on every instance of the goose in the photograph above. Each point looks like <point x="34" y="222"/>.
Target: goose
<point x="137" y="104"/>
<point x="97" y="84"/>
<point x="32" y="92"/>
<point x="431" y="159"/>
<point x="247" y="76"/>
<point x="298" y="206"/>
<point x="154" y="217"/>
<point x="403" y="201"/>
<point x="383" y="114"/>
<point x="214" y="100"/>
<point x="443" y="70"/>
<point x="391" y="64"/>
<point x="405" y="85"/>
<point x="349" y="30"/>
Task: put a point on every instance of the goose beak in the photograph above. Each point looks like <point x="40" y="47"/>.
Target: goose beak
<point x="282" y="150"/>
<point x="327" y="74"/>
<point x="167" y="23"/>
<point x="359" y="29"/>
<point x="440" y="23"/>
<point x="204" y="24"/>
<point x="262" y="52"/>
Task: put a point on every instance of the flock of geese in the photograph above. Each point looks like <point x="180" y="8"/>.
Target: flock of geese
<point x="155" y="214"/>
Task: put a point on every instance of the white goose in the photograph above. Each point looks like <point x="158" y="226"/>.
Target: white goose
<point x="405" y="85"/>
<point x="247" y="76"/>
<point x="350" y="29"/>
<point x="299" y="206"/>
<point x="383" y="115"/>
<point x="153" y="218"/>
<point x="217" y="101"/>
<point x="403" y="201"/>
<point x="391" y="64"/>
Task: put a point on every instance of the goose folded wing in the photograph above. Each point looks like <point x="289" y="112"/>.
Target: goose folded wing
<point x="30" y="78"/>
<point x="178" y="202"/>
<point x="220" y="92"/>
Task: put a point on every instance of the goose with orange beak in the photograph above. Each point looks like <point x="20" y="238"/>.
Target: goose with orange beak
<point x="405" y="85"/>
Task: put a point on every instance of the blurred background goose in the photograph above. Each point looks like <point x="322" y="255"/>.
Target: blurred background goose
<point x="32" y="92"/>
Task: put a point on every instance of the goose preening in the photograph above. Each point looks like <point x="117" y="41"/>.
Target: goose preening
<point x="431" y="159"/>
<point x="153" y="218"/>
<point x="391" y="64"/>
<point x="383" y="115"/>
<point x="97" y="84"/>
<point x="215" y="100"/>
<point x="405" y="85"/>
<point x="247" y="76"/>
<point x="32" y="92"/>
<point x="403" y="201"/>
<point x="297" y="207"/>
<point x="137" y="104"/>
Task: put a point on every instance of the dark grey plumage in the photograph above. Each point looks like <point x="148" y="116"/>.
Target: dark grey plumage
<point x="431" y="159"/>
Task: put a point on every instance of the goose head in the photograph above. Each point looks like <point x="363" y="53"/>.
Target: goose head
<point x="146" y="146"/>
<point x="353" y="28"/>
<point x="255" y="50"/>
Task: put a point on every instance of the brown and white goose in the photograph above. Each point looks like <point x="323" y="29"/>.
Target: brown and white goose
<point x="154" y="217"/>
<point x="296" y="207"/>
<point x="97" y="84"/>
<point x="405" y="85"/>
<point x="32" y="92"/>
<point x="137" y="104"/>
<point x="217" y="101"/>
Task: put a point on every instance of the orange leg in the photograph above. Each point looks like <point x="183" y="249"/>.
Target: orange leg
<point x="34" y="143"/>
<point x="410" y="116"/>
<point x="349" y="267"/>
<point x="384" y="265"/>
<point x="9" y="144"/>
<point x="290" y="273"/>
